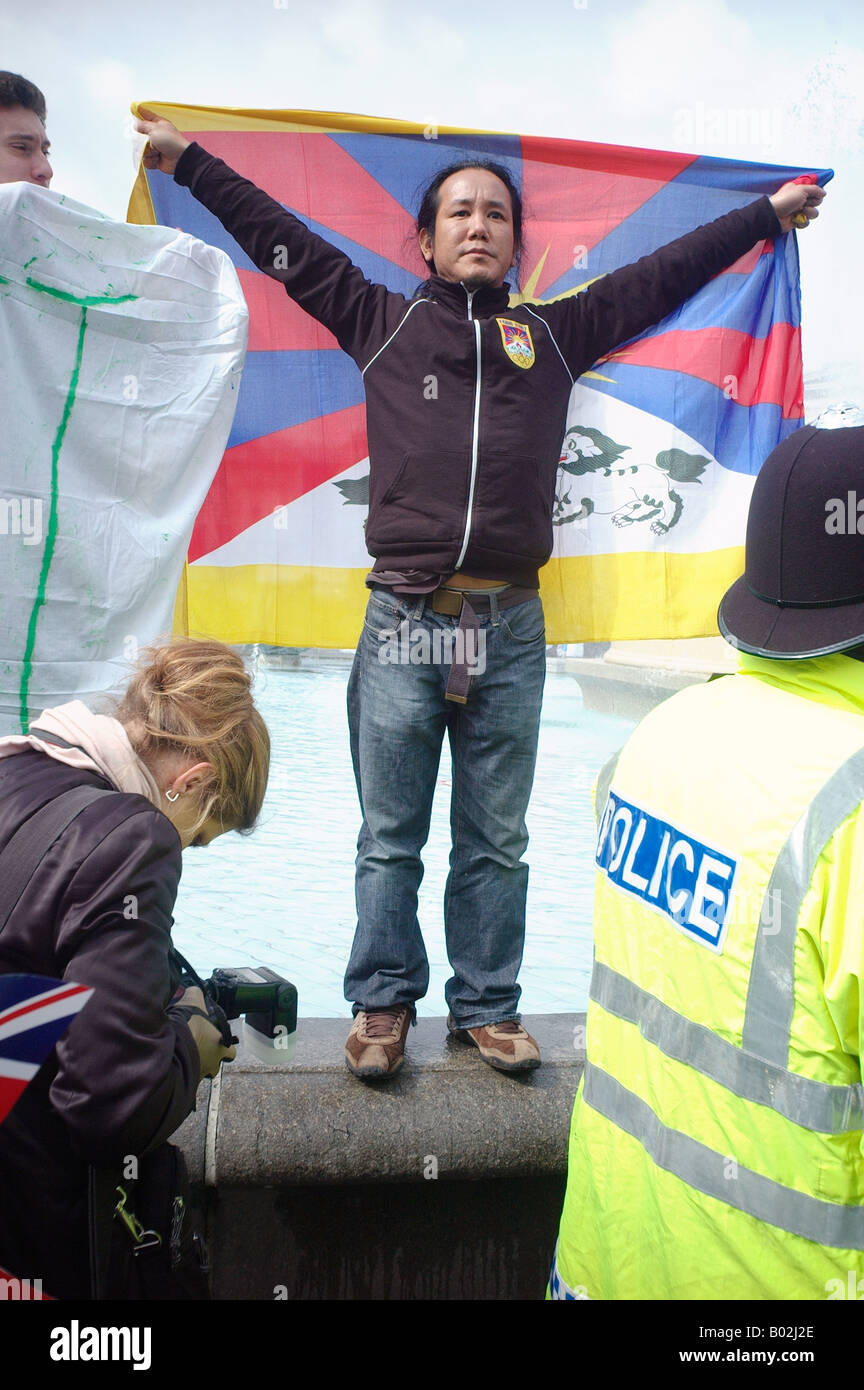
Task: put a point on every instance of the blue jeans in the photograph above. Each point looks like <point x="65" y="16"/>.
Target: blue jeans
<point x="398" y="715"/>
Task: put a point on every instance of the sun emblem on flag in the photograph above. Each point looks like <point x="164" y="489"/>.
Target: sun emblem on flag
<point x="516" y="338"/>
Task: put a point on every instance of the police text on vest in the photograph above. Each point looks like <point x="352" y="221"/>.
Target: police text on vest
<point x="668" y="869"/>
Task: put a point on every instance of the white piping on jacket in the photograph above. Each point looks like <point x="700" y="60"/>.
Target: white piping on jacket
<point x="393" y="334"/>
<point x="475" y="435"/>
<point x="552" y="336"/>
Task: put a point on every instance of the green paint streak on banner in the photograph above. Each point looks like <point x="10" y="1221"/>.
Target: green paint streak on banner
<point x="51" y="537"/>
<point x="85" y="302"/>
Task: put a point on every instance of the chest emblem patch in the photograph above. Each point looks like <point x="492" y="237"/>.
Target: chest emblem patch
<point x="516" y="338"/>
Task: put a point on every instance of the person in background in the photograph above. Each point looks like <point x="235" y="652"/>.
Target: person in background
<point x="716" y="1140"/>
<point x="460" y="522"/>
<point x="24" y="145"/>
<point x="187" y="757"/>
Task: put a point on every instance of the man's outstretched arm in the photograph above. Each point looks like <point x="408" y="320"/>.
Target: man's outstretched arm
<point x="626" y="302"/>
<point x="322" y="279"/>
<point x="796" y="204"/>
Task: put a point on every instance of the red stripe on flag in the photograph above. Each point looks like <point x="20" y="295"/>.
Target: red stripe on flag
<point x="277" y="323"/>
<point x="624" y="161"/>
<point x="10" y="1090"/>
<point x="44" y="1003"/>
<point x="572" y="209"/>
<point x="751" y="371"/>
<point x="746" y="263"/>
<point x="313" y="175"/>
<point x="269" y="472"/>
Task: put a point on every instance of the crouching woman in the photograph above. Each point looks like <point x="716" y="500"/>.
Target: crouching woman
<point x="187" y="759"/>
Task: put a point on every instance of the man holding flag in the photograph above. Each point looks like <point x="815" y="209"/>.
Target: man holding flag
<point x="466" y="408"/>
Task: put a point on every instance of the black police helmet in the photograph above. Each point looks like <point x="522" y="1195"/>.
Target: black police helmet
<point x="802" y="592"/>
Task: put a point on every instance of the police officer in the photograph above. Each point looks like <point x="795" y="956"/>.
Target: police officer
<point x="715" y="1148"/>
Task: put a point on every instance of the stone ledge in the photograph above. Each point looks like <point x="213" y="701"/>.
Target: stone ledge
<point x="698" y="656"/>
<point x="632" y="677"/>
<point x="311" y="1123"/>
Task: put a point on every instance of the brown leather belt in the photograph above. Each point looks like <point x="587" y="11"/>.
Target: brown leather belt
<point x="467" y="603"/>
<point x="450" y="601"/>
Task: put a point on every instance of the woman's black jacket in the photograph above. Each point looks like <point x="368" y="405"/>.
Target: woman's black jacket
<point x="98" y="912"/>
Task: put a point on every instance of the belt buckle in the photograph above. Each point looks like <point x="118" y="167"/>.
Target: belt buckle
<point x="448" y="601"/>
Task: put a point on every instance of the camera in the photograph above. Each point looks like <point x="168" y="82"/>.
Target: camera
<point x="266" y="1001"/>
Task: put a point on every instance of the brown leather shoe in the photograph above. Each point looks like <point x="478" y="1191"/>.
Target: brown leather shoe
<point x="505" y="1046"/>
<point x="375" y="1047"/>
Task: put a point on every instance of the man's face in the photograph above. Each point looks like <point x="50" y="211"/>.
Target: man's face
<point x="473" y="242"/>
<point x="23" y="147"/>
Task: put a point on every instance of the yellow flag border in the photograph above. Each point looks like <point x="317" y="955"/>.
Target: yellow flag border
<point x="235" y="119"/>
<point x="587" y="598"/>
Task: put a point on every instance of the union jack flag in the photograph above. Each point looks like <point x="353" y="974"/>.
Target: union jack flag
<point x="35" y="1012"/>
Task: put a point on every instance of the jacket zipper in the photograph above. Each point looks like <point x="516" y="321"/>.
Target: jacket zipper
<point x="475" y="436"/>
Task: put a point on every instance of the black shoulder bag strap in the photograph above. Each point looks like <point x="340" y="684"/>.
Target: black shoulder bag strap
<point x="23" y="854"/>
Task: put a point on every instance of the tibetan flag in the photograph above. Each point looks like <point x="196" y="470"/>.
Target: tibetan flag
<point x="34" y="1014"/>
<point x="663" y="438"/>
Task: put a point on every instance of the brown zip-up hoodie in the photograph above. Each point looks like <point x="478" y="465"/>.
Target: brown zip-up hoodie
<point x="464" y="441"/>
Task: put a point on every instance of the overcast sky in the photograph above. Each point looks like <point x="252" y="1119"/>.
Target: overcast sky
<point x="781" y="81"/>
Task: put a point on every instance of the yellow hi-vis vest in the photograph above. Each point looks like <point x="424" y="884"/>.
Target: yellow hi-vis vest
<point x="716" y="1142"/>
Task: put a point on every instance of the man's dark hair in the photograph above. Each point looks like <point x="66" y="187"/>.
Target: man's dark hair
<point x="431" y="197"/>
<point x="17" y="91"/>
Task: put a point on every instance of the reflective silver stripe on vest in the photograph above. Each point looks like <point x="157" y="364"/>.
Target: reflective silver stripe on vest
<point x="815" y="1105"/>
<point x="604" y="782"/>
<point x="771" y="991"/>
<point x="559" y="1289"/>
<point x="718" y="1175"/>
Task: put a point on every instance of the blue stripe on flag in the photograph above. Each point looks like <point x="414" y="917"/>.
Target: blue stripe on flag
<point x="748" y="303"/>
<point x="33" y="1044"/>
<point x="16" y="989"/>
<point x="670" y="213"/>
<point x="405" y="164"/>
<point x="755" y="179"/>
<point x="740" y="437"/>
<point x="280" y="389"/>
